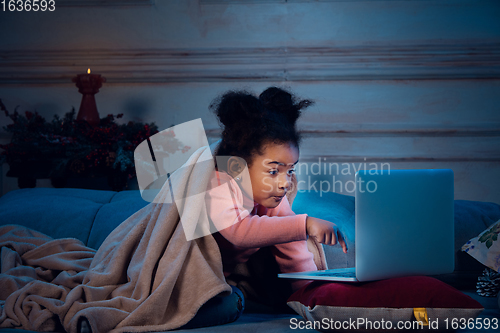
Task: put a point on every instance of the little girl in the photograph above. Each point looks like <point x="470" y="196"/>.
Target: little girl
<point x="262" y="132"/>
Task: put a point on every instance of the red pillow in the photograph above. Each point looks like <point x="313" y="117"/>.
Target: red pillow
<point x="398" y="303"/>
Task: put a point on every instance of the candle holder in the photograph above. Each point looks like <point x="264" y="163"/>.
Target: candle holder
<point x="88" y="85"/>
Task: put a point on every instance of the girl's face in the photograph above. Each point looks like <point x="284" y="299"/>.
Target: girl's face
<point x="271" y="173"/>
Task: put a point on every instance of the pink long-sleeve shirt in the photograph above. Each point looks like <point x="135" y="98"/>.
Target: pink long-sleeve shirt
<point x="243" y="232"/>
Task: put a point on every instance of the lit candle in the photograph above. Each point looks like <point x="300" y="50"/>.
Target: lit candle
<point x="88" y="85"/>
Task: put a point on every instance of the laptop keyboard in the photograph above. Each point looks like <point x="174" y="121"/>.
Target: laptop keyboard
<point x="339" y="274"/>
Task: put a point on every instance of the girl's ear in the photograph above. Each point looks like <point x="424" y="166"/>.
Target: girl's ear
<point x="290" y="195"/>
<point x="235" y="166"/>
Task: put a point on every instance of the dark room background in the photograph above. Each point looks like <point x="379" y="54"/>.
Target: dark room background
<point x="413" y="83"/>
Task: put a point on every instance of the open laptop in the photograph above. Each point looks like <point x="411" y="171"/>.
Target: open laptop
<point x="404" y="226"/>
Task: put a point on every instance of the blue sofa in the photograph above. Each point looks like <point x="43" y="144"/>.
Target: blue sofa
<point x="90" y="215"/>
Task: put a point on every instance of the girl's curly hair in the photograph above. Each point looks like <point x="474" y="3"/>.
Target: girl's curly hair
<point x="249" y="123"/>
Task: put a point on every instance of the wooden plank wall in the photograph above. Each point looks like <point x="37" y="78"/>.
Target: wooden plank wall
<point x="413" y="84"/>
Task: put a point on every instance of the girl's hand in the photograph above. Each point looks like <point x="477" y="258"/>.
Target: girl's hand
<point x="325" y="232"/>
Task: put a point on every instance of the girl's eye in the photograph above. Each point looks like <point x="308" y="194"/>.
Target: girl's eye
<point x="291" y="172"/>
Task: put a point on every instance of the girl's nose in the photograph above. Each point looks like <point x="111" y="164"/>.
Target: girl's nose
<point x="285" y="182"/>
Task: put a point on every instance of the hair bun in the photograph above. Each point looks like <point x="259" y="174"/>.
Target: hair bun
<point x="236" y="107"/>
<point x="282" y="102"/>
<point x="250" y="123"/>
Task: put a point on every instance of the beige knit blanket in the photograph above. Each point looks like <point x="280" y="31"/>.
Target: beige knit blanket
<point x="145" y="276"/>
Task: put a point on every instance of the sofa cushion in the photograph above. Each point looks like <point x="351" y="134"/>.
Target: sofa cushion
<point x="471" y="219"/>
<point x="122" y="205"/>
<point x="76" y="209"/>
<point x="486" y="247"/>
<point x="58" y="213"/>
<point x="385" y="302"/>
<point x="336" y="208"/>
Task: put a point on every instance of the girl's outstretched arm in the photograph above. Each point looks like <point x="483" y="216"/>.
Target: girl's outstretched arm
<point x="247" y="230"/>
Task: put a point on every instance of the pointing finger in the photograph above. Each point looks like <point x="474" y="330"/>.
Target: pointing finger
<point x="342" y="241"/>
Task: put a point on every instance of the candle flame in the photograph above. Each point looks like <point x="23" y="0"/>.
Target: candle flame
<point x="88" y="71"/>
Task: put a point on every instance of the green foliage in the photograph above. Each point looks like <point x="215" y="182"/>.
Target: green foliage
<point x="73" y="146"/>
